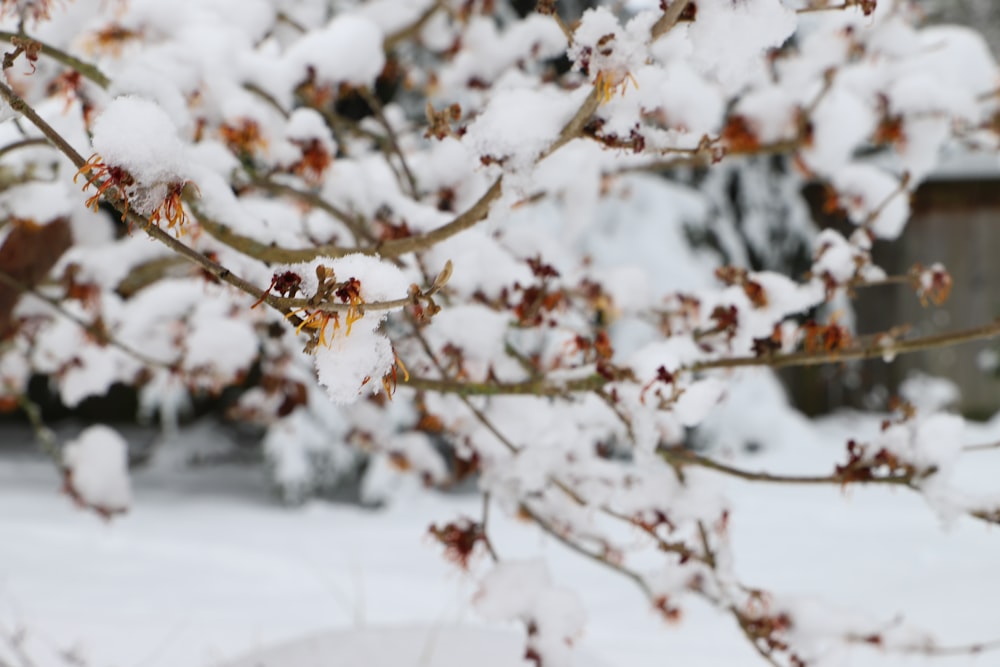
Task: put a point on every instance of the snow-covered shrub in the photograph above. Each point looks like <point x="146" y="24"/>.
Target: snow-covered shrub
<point x="430" y="238"/>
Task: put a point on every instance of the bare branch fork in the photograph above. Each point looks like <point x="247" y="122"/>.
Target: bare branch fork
<point x="284" y="305"/>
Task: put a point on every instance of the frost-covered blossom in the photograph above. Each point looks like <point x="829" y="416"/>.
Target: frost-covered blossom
<point x="607" y="52"/>
<point x="354" y="363"/>
<point x="348" y="50"/>
<point x="873" y="199"/>
<point x="487" y="52"/>
<point x="312" y="146"/>
<point x="96" y="469"/>
<point x="728" y="38"/>
<point x="519" y="124"/>
<point x="27" y="9"/>
<point x="139" y="156"/>
<point x="350" y="355"/>
<point x="524" y="591"/>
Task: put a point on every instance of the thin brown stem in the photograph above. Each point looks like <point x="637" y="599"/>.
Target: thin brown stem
<point x="413" y="29"/>
<point x="353" y="222"/>
<point x="484" y="523"/>
<point x="46" y="438"/>
<point x="574" y="128"/>
<point x="927" y="649"/>
<point x="265" y="252"/>
<point x="909" y="480"/>
<point x="685" y="457"/>
<point x="466" y="220"/>
<point x="481" y="208"/>
<point x="881" y="282"/>
<point x="56" y="139"/>
<point x="828" y="8"/>
<point x="712" y="151"/>
<point x="477" y="413"/>
<point x="283" y="17"/>
<point x="879" y="348"/>
<point x="267" y="97"/>
<point x="148" y="273"/>
<point x="752" y="637"/>
<point x="534" y="387"/>
<point x="596" y="557"/>
<point x="670" y="18"/>
<point x="409" y="180"/>
<point x="875" y="349"/>
<point x="23" y="143"/>
<point x="87" y="70"/>
<point x="981" y="447"/>
<point x="98" y="333"/>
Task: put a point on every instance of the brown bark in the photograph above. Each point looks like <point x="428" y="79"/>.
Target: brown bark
<point x="27" y="255"/>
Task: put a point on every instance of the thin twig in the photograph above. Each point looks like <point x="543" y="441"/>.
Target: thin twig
<point x="283" y="17"/>
<point x="597" y="558"/>
<point x="484" y="523"/>
<point x="880" y="348"/>
<point x="267" y="97"/>
<point x="687" y="457"/>
<point x="45" y="437"/>
<point x="265" y="252"/>
<point x="909" y="480"/>
<point x="353" y="222"/>
<point x="574" y="128"/>
<point x="981" y="447"/>
<point x="100" y="334"/>
<point x="535" y="387"/>
<point x="87" y="70"/>
<point x="670" y="18"/>
<point x="479" y="210"/>
<point x="468" y="219"/>
<point x="23" y="143"/>
<point x="412" y="30"/>
<point x="390" y="134"/>
<point x="828" y="8"/>
<point x="927" y="649"/>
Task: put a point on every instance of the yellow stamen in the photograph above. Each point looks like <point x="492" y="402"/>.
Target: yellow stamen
<point x="402" y="367"/>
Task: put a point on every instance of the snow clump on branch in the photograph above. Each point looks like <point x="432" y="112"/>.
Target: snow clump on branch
<point x="95" y="465"/>
<point x="139" y="158"/>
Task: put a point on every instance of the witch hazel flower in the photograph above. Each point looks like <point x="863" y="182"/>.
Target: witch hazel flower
<point x="36" y="10"/>
<point x="307" y="132"/>
<point x="608" y="52"/>
<point x="349" y="353"/>
<point x="138" y="159"/>
<point x="326" y="281"/>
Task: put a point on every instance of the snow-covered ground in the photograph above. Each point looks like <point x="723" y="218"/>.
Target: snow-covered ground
<point x="206" y="569"/>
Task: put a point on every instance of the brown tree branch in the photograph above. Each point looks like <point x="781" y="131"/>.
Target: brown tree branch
<point x="23" y="143"/>
<point x="412" y="30"/>
<point x="578" y="548"/>
<point x="534" y="387"/>
<point x="670" y="18"/>
<point x="683" y="457"/>
<point x="468" y="219"/>
<point x="355" y="223"/>
<point x="265" y="252"/>
<point x="873" y="350"/>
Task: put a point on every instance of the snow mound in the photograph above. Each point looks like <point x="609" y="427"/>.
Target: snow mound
<point x="445" y="646"/>
<point x="96" y="468"/>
